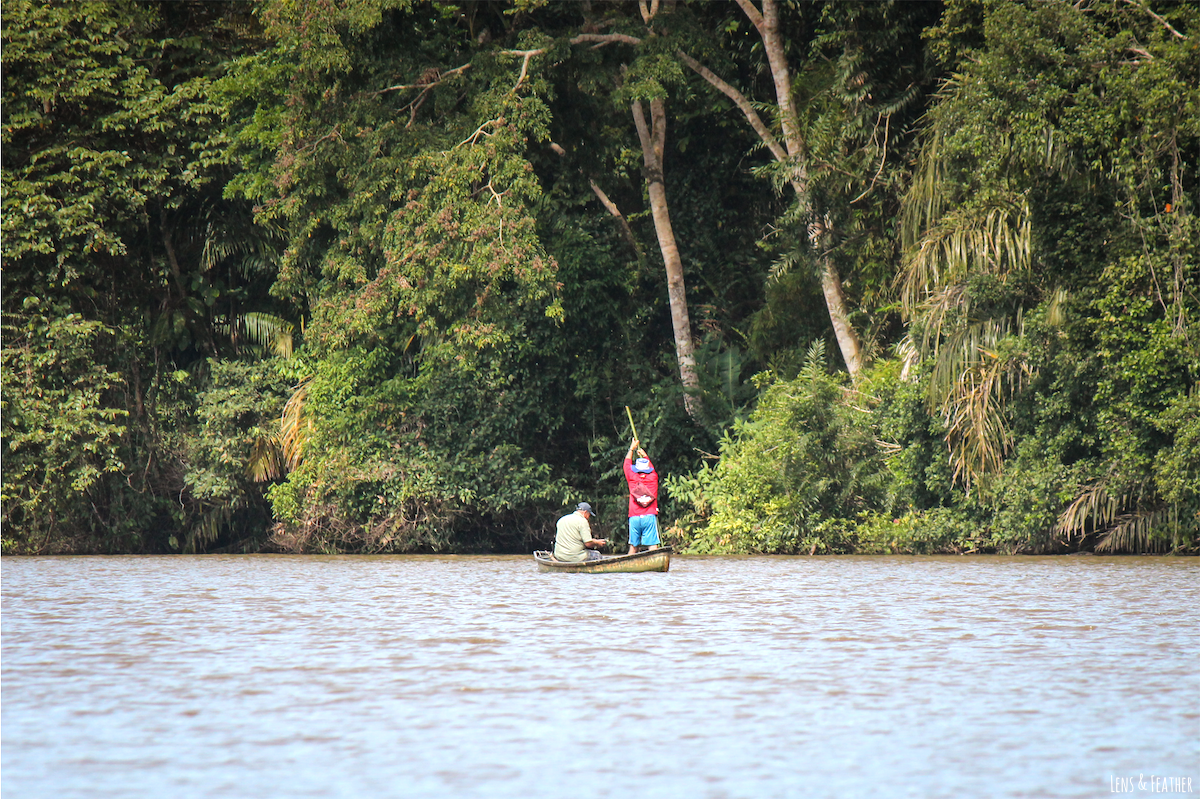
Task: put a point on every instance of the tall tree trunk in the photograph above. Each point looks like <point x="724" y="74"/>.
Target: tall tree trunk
<point x="839" y="316"/>
<point x="820" y="230"/>
<point x="653" y="138"/>
<point x="793" y="152"/>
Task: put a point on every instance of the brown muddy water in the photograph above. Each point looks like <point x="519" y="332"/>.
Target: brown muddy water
<point x="275" y="676"/>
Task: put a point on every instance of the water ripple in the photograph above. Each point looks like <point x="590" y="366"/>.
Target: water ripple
<point x="465" y="677"/>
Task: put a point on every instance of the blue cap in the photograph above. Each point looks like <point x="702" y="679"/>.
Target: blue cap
<point x="643" y="465"/>
<point x="586" y="507"/>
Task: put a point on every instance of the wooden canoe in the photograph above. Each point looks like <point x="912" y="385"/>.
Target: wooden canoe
<point x="652" y="560"/>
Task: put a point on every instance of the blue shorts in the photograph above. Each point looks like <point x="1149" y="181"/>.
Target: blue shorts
<point x="643" y="530"/>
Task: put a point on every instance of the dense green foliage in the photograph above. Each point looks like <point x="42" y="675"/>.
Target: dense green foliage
<point x="122" y="265"/>
<point x="1048" y="283"/>
<point x="381" y="276"/>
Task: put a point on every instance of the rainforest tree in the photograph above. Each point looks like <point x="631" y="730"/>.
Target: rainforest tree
<point x="1048" y="288"/>
<point x="381" y="276"/>
<point x="118" y="268"/>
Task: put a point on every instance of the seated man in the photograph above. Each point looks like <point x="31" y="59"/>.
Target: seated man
<point x="573" y="542"/>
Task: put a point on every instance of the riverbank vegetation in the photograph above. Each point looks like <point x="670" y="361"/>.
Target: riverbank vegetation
<point x="382" y="276"/>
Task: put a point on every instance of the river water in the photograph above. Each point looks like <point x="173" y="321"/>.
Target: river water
<point x="279" y="676"/>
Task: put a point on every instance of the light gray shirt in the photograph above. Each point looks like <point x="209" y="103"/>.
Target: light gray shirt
<point x="573" y="531"/>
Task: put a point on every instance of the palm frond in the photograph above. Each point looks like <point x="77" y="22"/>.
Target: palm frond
<point x="976" y="432"/>
<point x="972" y="378"/>
<point x="250" y="247"/>
<point x="814" y="361"/>
<point x="927" y="199"/>
<point x="1133" y="532"/>
<point x="937" y="312"/>
<point x="266" y="460"/>
<point x="992" y="237"/>
<point x="905" y="99"/>
<point x="206" y="527"/>
<point x="909" y="354"/>
<point x="271" y="332"/>
<point x="970" y="346"/>
<point x="1123" y="526"/>
<point x="1094" y="508"/>
<point x="1056" y="314"/>
<point x="295" y="428"/>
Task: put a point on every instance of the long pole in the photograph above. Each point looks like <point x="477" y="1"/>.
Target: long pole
<point x="631" y="427"/>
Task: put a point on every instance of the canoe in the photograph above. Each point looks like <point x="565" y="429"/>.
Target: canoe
<point x="652" y="560"/>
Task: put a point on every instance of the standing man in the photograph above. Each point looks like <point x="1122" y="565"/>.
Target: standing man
<point x="643" y="499"/>
<point x="573" y="542"/>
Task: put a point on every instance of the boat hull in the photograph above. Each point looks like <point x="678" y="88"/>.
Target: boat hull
<point x="652" y="560"/>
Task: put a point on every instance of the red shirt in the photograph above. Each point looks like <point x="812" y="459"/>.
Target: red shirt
<point x="641" y="484"/>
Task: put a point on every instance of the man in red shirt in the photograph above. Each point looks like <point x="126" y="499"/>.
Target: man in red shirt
<point x="642" y="480"/>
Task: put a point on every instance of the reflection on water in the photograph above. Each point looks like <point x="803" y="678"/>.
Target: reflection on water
<point x="480" y="677"/>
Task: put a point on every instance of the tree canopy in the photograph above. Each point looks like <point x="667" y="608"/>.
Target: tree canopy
<point x="382" y="276"/>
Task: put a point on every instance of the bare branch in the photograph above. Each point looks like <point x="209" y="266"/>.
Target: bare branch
<point x="605" y="201"/>
<point x="333" y="134"/>
<point x="648" y="13"/>
<point x="752" y="13"/>
<point x="472" y="138"/>
<point x="528" y="54"/>
<point x="741" y="102"/>
<point x="882" y="158"/>
<point x="626" y="230"/>
<point x="423" y="82"/>
<point x="605" y="38"/>
<point x="601" y="38"/>
<point x="612" y="208"/>
<point x="414" y="107"/>
<point x="645" y="135"/>
<point x="498" y="196"/>
<point x="1161" y="21"/>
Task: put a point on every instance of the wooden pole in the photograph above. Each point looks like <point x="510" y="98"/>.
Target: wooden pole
<point x="631" y="427"/>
